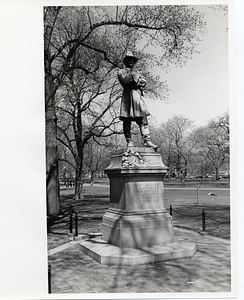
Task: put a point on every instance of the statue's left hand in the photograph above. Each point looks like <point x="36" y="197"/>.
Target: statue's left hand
<point x="141" y="82"/>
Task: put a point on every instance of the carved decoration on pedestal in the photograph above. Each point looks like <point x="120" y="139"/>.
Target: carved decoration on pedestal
<point x="132" y="159"/>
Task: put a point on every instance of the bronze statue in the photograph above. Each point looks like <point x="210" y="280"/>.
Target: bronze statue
<point x="133" y="107"/>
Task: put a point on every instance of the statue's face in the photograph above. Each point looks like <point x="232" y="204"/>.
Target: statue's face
<point x="130" y="63"/>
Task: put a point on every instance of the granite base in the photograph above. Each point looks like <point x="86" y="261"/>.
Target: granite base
<point x="107" y="254"/>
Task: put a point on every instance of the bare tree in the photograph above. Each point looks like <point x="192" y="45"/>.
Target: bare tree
<point x="218" y="142"/>
<point x="176" y="146"/>
<point x="212" y="150"/>
<point x="96" y="158"/>
<point x="85" y="110"/>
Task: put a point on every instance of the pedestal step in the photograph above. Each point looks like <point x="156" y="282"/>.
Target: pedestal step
<point x="107" y="254"/>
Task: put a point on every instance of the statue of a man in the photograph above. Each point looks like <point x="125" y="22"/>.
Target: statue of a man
<point x="133" y="107"/>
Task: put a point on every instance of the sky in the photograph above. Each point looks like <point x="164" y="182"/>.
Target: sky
<point x="199" y="90"/>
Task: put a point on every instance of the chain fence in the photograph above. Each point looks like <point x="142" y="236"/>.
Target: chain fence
<point x="70" y="218"/>
<point x="202" y="214"/>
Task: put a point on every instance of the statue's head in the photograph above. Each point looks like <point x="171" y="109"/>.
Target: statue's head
<point x="129" y="59"/>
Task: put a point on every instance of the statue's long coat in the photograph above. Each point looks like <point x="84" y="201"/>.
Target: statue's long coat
<point x="132" y="102"/>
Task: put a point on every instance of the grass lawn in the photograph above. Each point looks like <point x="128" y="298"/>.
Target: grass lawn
<point x="176" y="182"/>
<point x="186" y="212"/>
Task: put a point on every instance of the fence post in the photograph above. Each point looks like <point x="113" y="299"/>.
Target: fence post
<point x="170" y="210"/>
<point x="203" y="220"/>
<point x="76" y="225"/>
<point x="70" y="223"/>
<point x="49" y="279"/>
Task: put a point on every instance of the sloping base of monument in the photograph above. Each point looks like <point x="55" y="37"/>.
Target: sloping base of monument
<point x="107" y="254"/>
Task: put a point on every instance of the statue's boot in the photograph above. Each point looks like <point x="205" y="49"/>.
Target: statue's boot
<point x="127" y="133"/>
<point x="129" y="142"/>
<point x="145" y="133"/>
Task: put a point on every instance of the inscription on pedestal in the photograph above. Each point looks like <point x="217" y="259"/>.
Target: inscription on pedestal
<point x="148" y="192"/>
<point x="145" y="196"/>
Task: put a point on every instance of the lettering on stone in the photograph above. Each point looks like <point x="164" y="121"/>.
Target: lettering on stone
<point x="146" y="193"/>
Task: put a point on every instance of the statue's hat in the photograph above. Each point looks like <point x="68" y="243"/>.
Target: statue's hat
<point x="128" y="56"/>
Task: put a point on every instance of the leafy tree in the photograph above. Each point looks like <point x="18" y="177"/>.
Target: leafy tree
<point x="107" y="32"/>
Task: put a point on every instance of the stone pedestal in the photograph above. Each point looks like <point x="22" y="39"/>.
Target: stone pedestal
<point x="137" y="217"/>
<point x="136" y="229"/>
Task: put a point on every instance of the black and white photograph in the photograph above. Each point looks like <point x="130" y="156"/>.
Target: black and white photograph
<point x="121" y="172"/>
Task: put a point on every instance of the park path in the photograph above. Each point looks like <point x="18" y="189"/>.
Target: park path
<point x="208" y="271"/>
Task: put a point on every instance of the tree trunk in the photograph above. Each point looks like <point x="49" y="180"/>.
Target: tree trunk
<point x="198" y="187"/>
<point x="78" y="180"/>
<point x="92" y="178"/>
<point x="52" y="182"/>
<point x="182" y="178"/>
<point x="217" y="173"/>
<point x="79" y="189"/>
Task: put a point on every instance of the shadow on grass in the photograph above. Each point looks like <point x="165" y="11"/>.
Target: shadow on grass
<point x="90" y="209"/>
